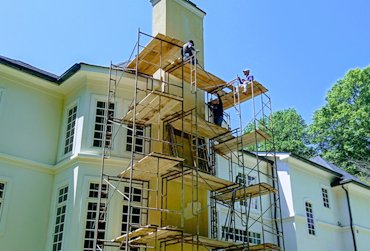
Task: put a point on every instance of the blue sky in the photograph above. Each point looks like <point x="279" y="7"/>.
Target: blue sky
<point x="297" y="49"/>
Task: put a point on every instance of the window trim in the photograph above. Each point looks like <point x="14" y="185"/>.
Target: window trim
<point x="5" y="205"/>
<point x="69" y="108"/>
<point x="95" y="100"/>
<point x="58" y="205"/>
<point x="64" y="129"/>
<point x="327" y="197"/>
<point x="314" y="229"/>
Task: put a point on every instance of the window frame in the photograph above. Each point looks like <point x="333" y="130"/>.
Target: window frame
<point x="96" y="100"/>
<point x="115" y="210"/>
<point x="73" y="135"/>
<point x="310" y="225"/>
<point x="60" y="204"/>
<point x="91" y="200"/>
<point x="325" y="197"/>
<point x="140" y="129"/>
<point x="5" y="202"/>
<point x="250" y="180"/>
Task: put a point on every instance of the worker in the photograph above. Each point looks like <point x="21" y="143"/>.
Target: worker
<point x="217" y="110"/>
<point x="188" y="50"/>
<point x="245" y="81"/>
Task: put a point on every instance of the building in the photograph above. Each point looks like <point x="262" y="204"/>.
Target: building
<point x="156" y="170"/>
<point x="84" y="168"/>
<point x="324" y="208"/>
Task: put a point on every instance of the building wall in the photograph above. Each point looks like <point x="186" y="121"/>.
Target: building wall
<point x="24" y="215"/>
<point x="332" y="225"/>
<point x="30" y="119"/>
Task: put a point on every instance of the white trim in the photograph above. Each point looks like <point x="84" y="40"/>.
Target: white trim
<point x="71" y="105"/>
<point x="6" y="202"/>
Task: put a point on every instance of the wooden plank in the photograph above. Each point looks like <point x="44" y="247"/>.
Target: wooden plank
<point x="257" y="247"/>
<point x="205" y="129"/>
<point x="262" y="247"/>
<point x="206" y="181"/>
<point x="138" y="232"/>
<point x="159" y="52"/>
<point x="158" y="235"/>
<point x="207" y="242"/>
<point x="150" y="166"/>
<point x="165" y="52"/>
<point x="228" y="100"/>
<point x="205" y="80"/>
<point x="247" y="139"/>
<point x="242" y="193"/>
<point x="154" y="107"/>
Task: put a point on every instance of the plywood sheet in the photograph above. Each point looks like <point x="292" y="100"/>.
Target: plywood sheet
<point x="200" y="126"/>
<point x="150" y="166"/>
<point x="154" y="107"/>
<point x="247" y="139"/>
<point x="242" y="193"/>
<point x="230" y="99"/>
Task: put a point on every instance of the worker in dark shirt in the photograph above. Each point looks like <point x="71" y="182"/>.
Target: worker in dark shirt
<point x="217" y="110"/>
<point x="188" y="50"/>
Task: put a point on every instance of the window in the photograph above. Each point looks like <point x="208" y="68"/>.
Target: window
<point x="91" y="216"/>
<point x="241" y="179"/>
<point x="254" y="238"/>
<point x="99" y="124"/>
<point x="139" y="141"/>
<point x="135" y="215"/>
<point x="235" y="234"/>
<point x="70" y="132"/>
<point x="2" y="196"/>
<point x="310" y="221"/>
<point x="60" y="218"/>
<point x="325" y="197"/>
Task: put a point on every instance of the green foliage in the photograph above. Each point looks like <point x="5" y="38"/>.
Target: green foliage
<point x="290" y="133"/>
<point x="341" y="129"/>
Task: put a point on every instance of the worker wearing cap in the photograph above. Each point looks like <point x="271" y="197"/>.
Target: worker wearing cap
<point x="244" y="82"/>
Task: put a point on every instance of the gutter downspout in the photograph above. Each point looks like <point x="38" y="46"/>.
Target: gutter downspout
<point x="350" y="218"/>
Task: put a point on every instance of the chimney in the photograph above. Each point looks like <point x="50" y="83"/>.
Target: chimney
<point x="180" y="19"/>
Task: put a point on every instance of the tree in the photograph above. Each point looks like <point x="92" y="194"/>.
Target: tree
<point x="290" y="133"/>
<point x="341" y="128"/>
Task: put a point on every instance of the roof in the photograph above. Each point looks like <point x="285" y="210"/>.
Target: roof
<point x="319" y="160"/>
<point x="22" y="66"/>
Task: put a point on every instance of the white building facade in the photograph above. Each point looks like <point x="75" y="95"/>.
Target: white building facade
<point x="323" y="207"/>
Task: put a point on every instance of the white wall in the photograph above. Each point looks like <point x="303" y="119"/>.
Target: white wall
<point x="30" y="121"/>
<point x="25" y="218"/>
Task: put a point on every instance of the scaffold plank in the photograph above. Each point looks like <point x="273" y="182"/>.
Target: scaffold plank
<point x="165" y="52"/>
<point x="233" y="144"/>
<point x="206" y="181"/>
<point x="136" y="233"/>
<point x="207" y="242"/>
<point x="150" y="166"/>
<point x="262" y="247"/>
<point x="230" y="99"/>
<point x="199" y="127"/>
<point x="154" y="107"/>
<point x="206" y="81"/>
<point x="159" y="52"/>
<point x="242" y="193"/>
<point x="158" y="235"/>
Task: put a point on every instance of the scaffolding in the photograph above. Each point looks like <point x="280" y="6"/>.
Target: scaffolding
<point x="172" y="191"/>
